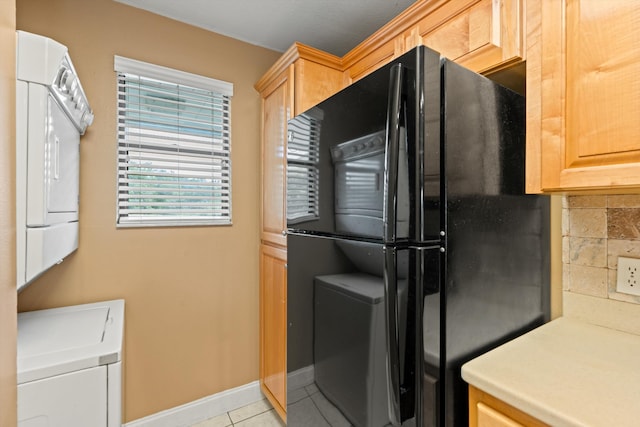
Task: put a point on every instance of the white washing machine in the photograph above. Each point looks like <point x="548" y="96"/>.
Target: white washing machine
<point x="70" y="366"/>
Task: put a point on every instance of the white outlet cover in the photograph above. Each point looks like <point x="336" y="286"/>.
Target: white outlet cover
<point x="628" y="276"/>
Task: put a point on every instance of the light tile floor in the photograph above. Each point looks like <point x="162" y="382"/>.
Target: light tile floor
<point x="258" y="414"/>
<point x="309" y="408"/>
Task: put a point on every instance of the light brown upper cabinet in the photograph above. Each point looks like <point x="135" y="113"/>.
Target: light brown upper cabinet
<point x="583" y="95"/>
<point x="301" y="78"/>
<point x="277" y="106"/>
<point x="485" y="35"/>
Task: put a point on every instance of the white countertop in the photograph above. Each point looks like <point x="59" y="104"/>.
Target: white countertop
<point x="565" y="373"/>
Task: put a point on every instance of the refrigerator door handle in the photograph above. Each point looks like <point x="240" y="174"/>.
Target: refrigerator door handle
<point x="391" y="153"/>
<point x="392" y="332"/>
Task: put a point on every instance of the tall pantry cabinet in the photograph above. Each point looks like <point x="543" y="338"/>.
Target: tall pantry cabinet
<point x="301" y="78"/>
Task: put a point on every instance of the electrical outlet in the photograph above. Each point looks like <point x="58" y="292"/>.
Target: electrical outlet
<point x="628" y="276"/>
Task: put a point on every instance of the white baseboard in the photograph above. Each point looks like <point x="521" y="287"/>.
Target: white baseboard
<point x="217" y="404"/>
<point x="202" y="409"/>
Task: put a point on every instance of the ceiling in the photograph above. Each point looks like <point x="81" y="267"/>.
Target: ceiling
<point x="335" y="26"/>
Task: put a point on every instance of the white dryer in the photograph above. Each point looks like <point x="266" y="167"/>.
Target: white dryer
<point x="52" y="112"/>
<point x="70" y="366"/>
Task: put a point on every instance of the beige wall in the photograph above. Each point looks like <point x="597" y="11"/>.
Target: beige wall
<point x="191" y="293"/>
<point x="7" y="216"/>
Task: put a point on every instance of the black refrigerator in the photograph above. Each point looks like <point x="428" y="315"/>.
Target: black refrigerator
<point x="412" y="247"/>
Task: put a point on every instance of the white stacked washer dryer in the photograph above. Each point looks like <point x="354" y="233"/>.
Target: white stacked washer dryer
<point x="69" y="361"/>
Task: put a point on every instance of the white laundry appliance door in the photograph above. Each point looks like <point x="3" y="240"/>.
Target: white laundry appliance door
<point x="63" y="144"/>
<point x="52" y="162"/>
<point x="76" y="399"/>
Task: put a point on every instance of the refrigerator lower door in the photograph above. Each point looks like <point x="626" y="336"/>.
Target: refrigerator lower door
<point x="428" y="311"/>
<point x="336" y="342"/>
<point x="413" y="335"/>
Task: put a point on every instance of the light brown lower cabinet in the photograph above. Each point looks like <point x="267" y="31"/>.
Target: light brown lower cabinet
<point x="273" y="326"/>
<point x="488" y="411"/>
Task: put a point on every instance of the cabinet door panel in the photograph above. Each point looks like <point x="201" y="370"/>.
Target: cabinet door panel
<point x="487" y="411"/>
<point x="314" y="83"/>
<point x="489" y="417"/>
<point x="583" y="95"/>
<point x="484" y="37"/>
<point x="603" y="43"/>
<point x="276" y="107"/>
<point x="273" y="319"/>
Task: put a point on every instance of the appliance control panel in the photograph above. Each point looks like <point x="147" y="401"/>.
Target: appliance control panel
<point x="66" y="88"/>
<point x="364" y="146"/>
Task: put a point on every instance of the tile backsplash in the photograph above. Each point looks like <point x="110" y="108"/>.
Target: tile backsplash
<point x="596" y="230"/>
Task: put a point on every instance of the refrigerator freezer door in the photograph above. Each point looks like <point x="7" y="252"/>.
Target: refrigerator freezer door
<point x="360" y="176"/>
<point x="390" y="195"/>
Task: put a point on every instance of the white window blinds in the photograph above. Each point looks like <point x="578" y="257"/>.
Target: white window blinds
<point x="174" y="147"/>
<point x="303" y="146"/>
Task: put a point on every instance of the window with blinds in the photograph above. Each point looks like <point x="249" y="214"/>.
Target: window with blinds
<point x="174" y="147"/>
<point x="302" y="168"/>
